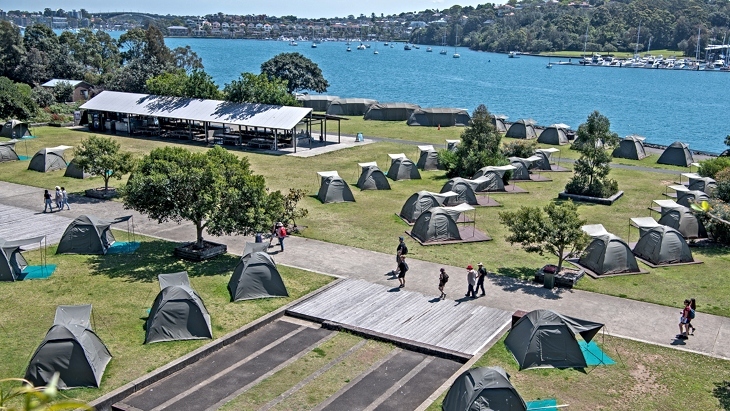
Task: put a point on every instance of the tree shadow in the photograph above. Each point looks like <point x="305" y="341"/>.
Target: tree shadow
<point x="156" y="257"/>
<point x="514" y="279"/>
<point x="722" y="393"/>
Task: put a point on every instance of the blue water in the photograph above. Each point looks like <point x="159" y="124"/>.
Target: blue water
<point x="662" y="105"/>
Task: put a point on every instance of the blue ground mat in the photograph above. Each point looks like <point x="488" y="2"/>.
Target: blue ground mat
<point x="550" y="404"/>
<point x="123" y="247"/>
<point x="37" y="272"/>
<point x="27" y="137"/>
<point x="593" y="354"/>
<point x="23" y="158"/>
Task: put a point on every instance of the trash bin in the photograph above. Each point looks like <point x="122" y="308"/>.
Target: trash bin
<point x="549" y="280"/>
<point x="359" y="138"/>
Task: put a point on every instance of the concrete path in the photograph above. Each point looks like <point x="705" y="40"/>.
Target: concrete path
<point x="636" y="320"/>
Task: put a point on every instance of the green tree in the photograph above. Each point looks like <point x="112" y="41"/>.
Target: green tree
<point x="63" y="91"/>
<point x="554" y="229"/>
<point x="299" y="72"/>
<point x="15" y="102"/>
<point x="101" y="156"/>
<point x="215" y="190"/>
<point x="593" y="139"/>
<point x="178" y="83"/>
<point x="186" y="59"/>
<point x="252" y="88"/>
<point x="479" y="147"/>
<point x="11" y="48"/>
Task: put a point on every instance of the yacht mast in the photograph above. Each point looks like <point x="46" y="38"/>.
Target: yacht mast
<point x="638" y="34"/>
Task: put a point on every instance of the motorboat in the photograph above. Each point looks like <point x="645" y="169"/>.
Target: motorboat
<point x="443" y="51"/>
<point x="361" y="47"/>
<point x="349" y="49"/>
<point x="375" y="52"/>
<point x="513" y="54"/>
<point x="407" y="47"/>
<point x="429" y="50"/>
<point x="367" y="46"/>
<point x="314" y="45"/>
<point x="293" y="43"/>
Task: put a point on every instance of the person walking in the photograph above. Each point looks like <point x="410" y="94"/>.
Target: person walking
<point x="471" y="278"/>
<point x="693" y="309"/>
<point x="443" y="279"/>
<point x="47" y="201"/>
<point x="481" y="275"/>
<point x="281" y="234"/>
<point x="59" y="198"/>
<point x="402" y="270"/>
<point x="64" y="199"/>
<point x="683" y="320"/>
<point x="400" y="251"/>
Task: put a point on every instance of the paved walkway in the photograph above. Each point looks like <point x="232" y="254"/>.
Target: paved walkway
<point x="636" y="320"/>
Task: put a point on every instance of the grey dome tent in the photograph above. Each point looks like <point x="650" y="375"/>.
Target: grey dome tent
<point x="524" y="129"/>
<point x="7" y="151"/>
<point x="390" y="111"/>
<point x="608" y="254"/>
<point x="15" y="129"/>
<point x="437" y="224"/>
<point x="452" y="145"/>
<point x="544" y="338"/>
<point x="685" y="221"/>
<point x="444" y="117"/>
<point x="86" y="235"/>
<point x="254" y="277"/>
<point x="334" y="190"/>
<point x="48" y="159"/>
<point x="251" y="248"/>
<point x="350" y="106"/>
<point x="465" y="190"/>
<point x="686" y="198"/>
<point x="12" y="262"/>
<point x="704" y="184"/>
<point x="554" y="134"/>
<point x="677" y="154"/>
<point x="631" y="147"/>
<point x="420" y="202"/>
<point x="372" y="178"/>
<point x="545" y="158"/>
<point x="403" y="169"/>
<point x="428" y="158"/>
<point x="317" y="102"/>
<point x="483" y="388"/>
<point x="494" y="175"/>
<point x="74" y="171"/>
<point x="522" y="167"/>
<point x="178" y="312"/>
<point x="663" y="245"/>
<point x="70" y="348"/>
<point x="498" y="122"/>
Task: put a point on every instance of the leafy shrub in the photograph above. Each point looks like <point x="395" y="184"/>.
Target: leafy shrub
<point x="709" y="168"/>
<point x="723" y="185"/>
<point x="520" y="148"/>
<point x="717" y="229"/>
<point x="42" y="96"/>
<point x="597" y="188"/>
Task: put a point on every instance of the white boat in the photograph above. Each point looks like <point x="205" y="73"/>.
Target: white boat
<point x="429" y="50"/>
<point x="407" y="47"/>
<point x="513" y="54"/>
<point x="361" y="47"/>
<point x="375" y="52"/>
<point x="443" y="44"/>
<point x="349" y="49"/>
<point x="367" y="46"/>
<point x="314" y="45"/>
<point x="456" y="42"/>
<point x="293" y="43"/>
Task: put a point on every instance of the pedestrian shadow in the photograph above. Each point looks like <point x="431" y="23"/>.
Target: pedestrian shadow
<point x="678" y="341"/>
<point x="512" y="280"/>
<point x="722" y="393"/>
<point x="394" y="290"/>
<point x="435" y="300"/>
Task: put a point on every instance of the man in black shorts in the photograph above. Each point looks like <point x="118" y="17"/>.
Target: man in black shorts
<point x="481" y="275"/>
<point x="402" y="270"/>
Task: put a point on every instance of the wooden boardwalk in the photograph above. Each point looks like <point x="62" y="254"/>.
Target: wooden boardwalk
<point x="20" y="223"/>
<point x="447" y="325"/>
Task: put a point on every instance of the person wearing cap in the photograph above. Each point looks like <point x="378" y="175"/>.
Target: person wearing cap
<point x="471" y="278"/>
<point x="481" y="275"/>
<point x="281" y="234"/>
<point x="400" y="251"/>
<point x="443" y="278"/>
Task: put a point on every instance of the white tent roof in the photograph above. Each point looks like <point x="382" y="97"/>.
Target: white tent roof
<point x="57" y="149"/>
<point x="560" y="125"/>
<point x="397" y="156"/>
<point x="667" y="203"/>
<point x="453" y="141"/>
<point x="325" y="174"/>
<point x="426" y="148"/>
<point x="548" y="150"/>
<point x="677" y="187"/>
<point x="691" y="175"/>
<point x="461" y="207"/>
<point x="445" y="194"/>
<point x="694" y="164"/>
<point x="372" y="163"/>
<point x="595" y="230"/>
<point x="508" y="167"/>
<point x="215" y="111"/>
<point x="635" y="136"/>
<point x="644" y="222"/>
<point x="532" y="159"/>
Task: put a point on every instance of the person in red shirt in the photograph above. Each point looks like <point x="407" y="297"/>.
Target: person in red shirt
<point x="683" y="321"/>
<point x="281" y="234"/>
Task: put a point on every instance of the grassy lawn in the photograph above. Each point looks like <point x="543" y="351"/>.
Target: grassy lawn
<point x="121" y="289"/>
<point x="645" y="377"/>
<point x="371" y="222"/>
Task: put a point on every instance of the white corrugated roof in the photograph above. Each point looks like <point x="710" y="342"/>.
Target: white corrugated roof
<point x="214" y="111"/>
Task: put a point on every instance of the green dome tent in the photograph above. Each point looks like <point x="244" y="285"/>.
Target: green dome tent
<point x="483" y="388"/>
<point x="663" y="245"/>
<point x="334" y="190"/>
<point x="74" y="171"/>
<point x="428" y="158"/>
<point x="256" y="276"/>
<point x="686" y="198"/>
<point x="465" y="190"/>
<point x="437" y="224"/>
<point x="12" y="262"/>
<point x="178" y="312"/>
<point x="677" y="154"/>
<point x="372" y="178"/>
<point x="608" y="254"/>
<point x="524" y="129"/>
<point x="685" y="221"/>
<point x="7" y="151"/>
<point x="403" y="169"/>
<point x="439" y="116"/>
<point x="48" y="159"/>
<point x="631" y="147"/>
<point x="704" y="184"/>
<point x="15" y="129"/>
<point x="498" y="121"/>
<point x="554" y="134"/>
<point x="86" y="235"/>
<point x="420" y="202"/>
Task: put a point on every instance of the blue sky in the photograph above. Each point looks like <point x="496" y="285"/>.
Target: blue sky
<point x="318" y="8"/>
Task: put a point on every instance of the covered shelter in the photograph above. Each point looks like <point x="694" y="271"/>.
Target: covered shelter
<point x="7" y="151"/>
<point x="317" y="102"/>
<point x="498" y="121"/>
<point x="686" y="198"/>
<point x="402" y="168"/>
<point x="350" y="106"/>
<point x="334" y="189"/>
<point x="15" y="129"/>
<point x="522" y="167"/>
<point x="483" y="388"/>
<point x="372" y="177"/>
<point x="607" y="254"/>
<point x="74" y="171"/>
<point x="545" y="338"/>
<point x="439" y="117"/>
<point x="685" y="221"/>
<point x="48" y="159"/>
<point x="662" y="245"/>
<point x="677" y="154"/>
<point x="631" y="147"/>
<point x="704" y="184"/>
<point x="178" y="312"/>
<point x="256" y="276"/>
<point x="554" y="134"/>
<point x="70" y="348"/>
<point x="428" y="158"/>
<point x="390" y="111"/>
<point x="86" y="235"/>
<point x="545" y="155"/>
<point x="422" y="201"/>
<point x="523" y="128"/>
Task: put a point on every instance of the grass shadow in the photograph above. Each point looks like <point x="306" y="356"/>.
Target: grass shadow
<point x="156" y="257"/>
<point x="722" y="393"/>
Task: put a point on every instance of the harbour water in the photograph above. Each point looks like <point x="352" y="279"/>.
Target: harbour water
<point x="662" y="105"/>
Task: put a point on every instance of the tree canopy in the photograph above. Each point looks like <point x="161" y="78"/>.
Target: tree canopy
<point x="101" y="156"/>
<point x="299" y="72"/>
<point x="252" y="88"/>
<point x="593" y="139"/>
<point x="215" y="190"/>
<point x="178" y="83"/>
